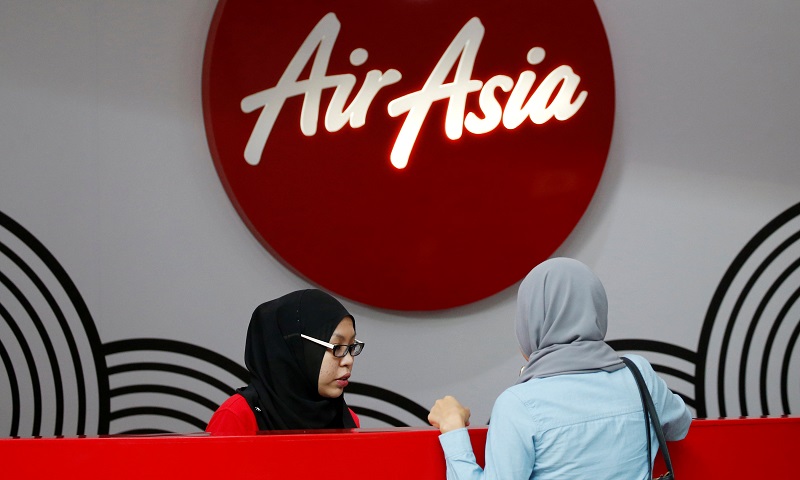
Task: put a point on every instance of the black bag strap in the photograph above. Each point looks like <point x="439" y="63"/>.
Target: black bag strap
<point x="650" y="410"/>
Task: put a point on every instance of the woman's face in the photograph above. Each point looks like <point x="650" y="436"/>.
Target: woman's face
<point x="334" y="373"/>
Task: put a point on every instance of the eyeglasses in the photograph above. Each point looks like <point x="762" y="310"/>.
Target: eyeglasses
<point x="339" y="351"/>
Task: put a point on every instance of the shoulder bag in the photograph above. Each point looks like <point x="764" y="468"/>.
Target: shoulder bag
<point x="650" y="413"/>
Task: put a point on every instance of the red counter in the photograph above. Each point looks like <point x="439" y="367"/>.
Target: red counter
<point x="745" y="448"/>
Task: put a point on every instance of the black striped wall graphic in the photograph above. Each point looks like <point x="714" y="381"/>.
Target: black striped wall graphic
<point x="51" y="352"/>
<point x="748" y="362"/>
<point x="169" y="386"/>
<point x="58" y="378"/>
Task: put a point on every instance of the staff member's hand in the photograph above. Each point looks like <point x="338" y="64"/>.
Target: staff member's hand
<point x="448" y="414"/>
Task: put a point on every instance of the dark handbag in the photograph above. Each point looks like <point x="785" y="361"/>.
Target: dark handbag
<point x="650" y="413"/>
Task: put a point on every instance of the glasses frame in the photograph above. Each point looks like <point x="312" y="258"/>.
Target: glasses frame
<point x="350" y="348"/>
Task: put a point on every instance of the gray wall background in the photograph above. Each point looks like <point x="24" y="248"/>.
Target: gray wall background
<point x="103" y="158"/>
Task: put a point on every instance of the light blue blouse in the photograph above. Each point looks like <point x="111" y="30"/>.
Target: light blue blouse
<point x="576" y="426"/>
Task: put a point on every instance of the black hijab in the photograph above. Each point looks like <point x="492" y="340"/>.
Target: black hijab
<point x="284" y="368"/>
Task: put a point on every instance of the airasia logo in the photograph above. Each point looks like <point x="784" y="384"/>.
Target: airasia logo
<point x="409" y="155"/>
<point x="552" y="98"/>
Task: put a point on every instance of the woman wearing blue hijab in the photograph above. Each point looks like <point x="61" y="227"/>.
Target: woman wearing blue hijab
<point x="575" y="412"/>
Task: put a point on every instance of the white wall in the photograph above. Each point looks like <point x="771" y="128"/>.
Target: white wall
<point x="103" y="158"/>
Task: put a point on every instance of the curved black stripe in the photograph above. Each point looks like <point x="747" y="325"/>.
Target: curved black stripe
<point x="716" y="301"/>
<point x="787" y="357"/>
<point x="674" y="372"/>
<point x="34" y="372"/>
<point x="634" y="344"/>
<point x="62" y="321"/>
<point x="166" y="367"/>
<point x="143" y="431"/>
<point x="168" y="390"/>
<point x="14" y="387"/>
<point x="174" y="346"/>
<point x="366" y="412"/>
<point x="158" y="411"/>
<point x="388" y="396"/>
<point x="80" y="307"/>
<point x="748" y="338"/>
<point x="773" y="332"/>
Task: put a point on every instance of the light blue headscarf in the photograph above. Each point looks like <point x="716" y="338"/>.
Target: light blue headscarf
<point x="562" y="318"/>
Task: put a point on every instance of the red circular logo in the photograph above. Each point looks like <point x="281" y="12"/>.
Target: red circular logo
<point x="409" y="155"/>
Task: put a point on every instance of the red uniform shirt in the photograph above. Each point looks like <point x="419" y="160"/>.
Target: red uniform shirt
<point x="234" y="417"/>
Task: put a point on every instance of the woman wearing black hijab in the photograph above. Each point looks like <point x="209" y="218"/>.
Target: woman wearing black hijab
<point x="299" y="352"/>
